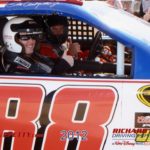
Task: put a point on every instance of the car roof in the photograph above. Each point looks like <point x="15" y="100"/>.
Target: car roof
<point x="115" y="22"/>
<point x="118" y="24"/>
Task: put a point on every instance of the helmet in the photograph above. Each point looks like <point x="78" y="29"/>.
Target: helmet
<point x="16" y="25"/>
<point x="57" y="20"/>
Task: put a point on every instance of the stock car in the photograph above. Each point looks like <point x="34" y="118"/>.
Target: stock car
<point x="108" y="109"/>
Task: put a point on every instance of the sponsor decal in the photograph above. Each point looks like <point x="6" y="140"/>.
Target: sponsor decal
<point x="143" y="94"/>
<point x="142" y="120"/>
<point x="129" y="130"/>
<point x="9" y="37"/>
<point x="143" y="138"/>
<point x="21" y="134"/>
<point x="22" y="62"/>
<point x="130" y="136"/>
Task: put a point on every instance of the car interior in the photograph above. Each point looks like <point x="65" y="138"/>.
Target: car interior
<point x="90" y="39"/>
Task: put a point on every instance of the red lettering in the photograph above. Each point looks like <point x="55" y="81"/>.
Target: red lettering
<point x="115" y="130"/>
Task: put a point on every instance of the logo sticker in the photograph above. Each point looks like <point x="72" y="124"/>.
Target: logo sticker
<point x="22" y="62"/>
<point x="142" y="120"/>
<point x="143" y="94"/>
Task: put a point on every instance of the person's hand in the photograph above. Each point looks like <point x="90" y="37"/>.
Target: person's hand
<point x="147" y="15"/>
<point x="74" y="48"/>
<point x="69" y="59"/>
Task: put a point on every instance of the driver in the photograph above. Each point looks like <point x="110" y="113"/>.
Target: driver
<point x="57" y="38"/>
<point x="21" y="36"/>
<point x="58" y="42"/>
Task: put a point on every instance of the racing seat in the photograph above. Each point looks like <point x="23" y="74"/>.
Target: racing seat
<point x="3" y="20"/>
<point x="3" y="66"/>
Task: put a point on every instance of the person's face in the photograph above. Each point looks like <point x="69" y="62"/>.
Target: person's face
<point x="57" y="30"/>
<point x="111" y="2"/>
<point x="29" y="45"/>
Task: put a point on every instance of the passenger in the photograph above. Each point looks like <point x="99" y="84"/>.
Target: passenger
<point x="21" y="36"/>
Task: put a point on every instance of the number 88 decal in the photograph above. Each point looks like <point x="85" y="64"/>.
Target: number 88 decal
<point x="78" y="109"/>
<point x="76" y="112"/>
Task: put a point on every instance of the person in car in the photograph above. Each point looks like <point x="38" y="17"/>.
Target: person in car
<point x="21" y="36"/>
<point x="58" y="42"/>
<point x="57" y="38"/>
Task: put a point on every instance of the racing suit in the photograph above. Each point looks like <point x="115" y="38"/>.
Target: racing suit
<point x="35" y="64"/>
<point x="105" y="56"/>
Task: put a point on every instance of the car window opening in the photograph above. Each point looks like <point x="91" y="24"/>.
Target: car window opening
<point x="102" y="57"/>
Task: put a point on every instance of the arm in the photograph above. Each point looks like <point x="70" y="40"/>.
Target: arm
<point x="60" y="67"/>
<point x="64" y="64"/>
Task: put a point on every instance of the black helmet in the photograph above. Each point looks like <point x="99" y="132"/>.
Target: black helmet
<point x="57" y="20"/>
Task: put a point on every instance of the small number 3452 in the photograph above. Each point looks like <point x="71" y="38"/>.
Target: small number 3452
<point x="71" y="135"/>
